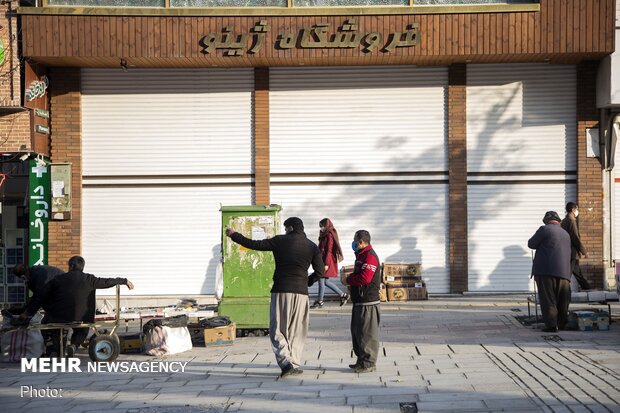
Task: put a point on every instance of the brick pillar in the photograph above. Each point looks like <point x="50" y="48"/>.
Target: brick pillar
<point x="589" y="177"/>
<point x="457" y="170"/>
<point x="261" y="136"/>
<point x="65" y="237"/>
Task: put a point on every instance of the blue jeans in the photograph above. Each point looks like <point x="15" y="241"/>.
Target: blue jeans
<point x="326" y="282"/>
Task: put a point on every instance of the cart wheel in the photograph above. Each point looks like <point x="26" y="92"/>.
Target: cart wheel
<point x="104" y="348"/>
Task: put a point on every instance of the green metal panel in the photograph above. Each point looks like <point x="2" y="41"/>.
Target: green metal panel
<point x="249" y="312"/>
<point x="248" y="274"/>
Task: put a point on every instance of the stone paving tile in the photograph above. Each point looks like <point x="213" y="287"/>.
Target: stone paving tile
<point x="497" y="362"/>
<point x="461" y="405"/>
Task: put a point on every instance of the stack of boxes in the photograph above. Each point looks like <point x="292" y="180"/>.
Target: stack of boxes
<point x="400" y="282"/>
<point x="404" y="282"/>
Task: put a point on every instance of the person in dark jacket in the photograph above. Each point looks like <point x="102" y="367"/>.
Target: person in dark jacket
<point x="329" y="245"/>
<point x="551" y="270"/>
<point x="364" y="283"/>
<point x="288" y="313"/>
<point x="569" y="223"/>
<point x="36" y="277"/>
<point x="70" y="298"/>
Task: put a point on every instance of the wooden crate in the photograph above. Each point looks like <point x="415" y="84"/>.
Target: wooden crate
<point x="220" y="336"/>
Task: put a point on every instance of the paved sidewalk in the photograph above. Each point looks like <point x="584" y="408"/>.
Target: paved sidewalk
<point x="465" y="354"/>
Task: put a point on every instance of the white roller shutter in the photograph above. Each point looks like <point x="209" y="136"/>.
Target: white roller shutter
<point x="357" y="119"/>
<point x="502" y="218"/>
<point x="162" y="150"/>
<point x="165" y="240"/>
<point x="521" y="159"/>
<point x="366" y="147"/>
<point x="521" y="117"/>
<point x="167" y="122"/>
<point x="407" y="222"/>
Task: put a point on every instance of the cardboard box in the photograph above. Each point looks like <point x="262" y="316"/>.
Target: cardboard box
<point x="402" y="270"/>
<point x="406" y="292"/>
<point x="345" y="271"/>
<point x="392" y="279"/>
<point x="220" y="336"/>
<point x="588" y="320"/>
<point x="131" y="343"/>
<point x="398" y="292"/>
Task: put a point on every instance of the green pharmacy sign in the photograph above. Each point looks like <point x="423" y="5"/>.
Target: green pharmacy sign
<point x="39" y="200"/>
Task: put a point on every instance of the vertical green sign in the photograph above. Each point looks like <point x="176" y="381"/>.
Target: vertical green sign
<point x="39" y="211"/>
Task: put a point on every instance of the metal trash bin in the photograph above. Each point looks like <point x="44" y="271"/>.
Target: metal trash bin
<point x="247" y="274"/>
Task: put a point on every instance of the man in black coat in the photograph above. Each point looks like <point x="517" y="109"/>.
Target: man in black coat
<point x="551" y="270"/>
<point x="288" y="312"/>
<point x="70" y="298"/>
<point x="569" y="223"/>
<point x="36" y="277"/>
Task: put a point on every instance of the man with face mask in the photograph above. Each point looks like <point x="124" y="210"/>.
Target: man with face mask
<point x="569" y="223"/>
<point x="364" y="283"/>
<point x="289" y="308"/>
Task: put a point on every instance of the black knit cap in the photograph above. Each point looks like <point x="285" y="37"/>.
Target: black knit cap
<point x="296" y="223"/>
<point x="551" y="216"/>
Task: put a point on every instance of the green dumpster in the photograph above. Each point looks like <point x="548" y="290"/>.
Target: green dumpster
<point x="247" y="274"/>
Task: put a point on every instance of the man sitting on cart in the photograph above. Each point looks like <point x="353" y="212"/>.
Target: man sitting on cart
<point x="70" y="298"/>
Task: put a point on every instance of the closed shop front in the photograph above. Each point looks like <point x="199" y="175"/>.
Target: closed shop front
<point x="521" y="160"/>
<point x="366" y="147"/>
<point x="162" y="150"/>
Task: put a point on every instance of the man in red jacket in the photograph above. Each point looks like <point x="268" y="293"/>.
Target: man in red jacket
<point x="365" y="317"/>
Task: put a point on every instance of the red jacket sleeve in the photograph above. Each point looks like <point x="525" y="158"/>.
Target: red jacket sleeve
<point x="369" y="267"/>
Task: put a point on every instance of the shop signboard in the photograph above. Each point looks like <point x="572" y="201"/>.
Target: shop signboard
<point x="39" y="211"/>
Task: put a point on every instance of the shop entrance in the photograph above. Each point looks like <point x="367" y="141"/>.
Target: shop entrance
<point x="13" y="226"/>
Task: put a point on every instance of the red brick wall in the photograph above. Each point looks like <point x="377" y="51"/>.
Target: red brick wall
<point x="15" y="132"/>
<point x="589" y="177"/>
<point x="9" y="71"/>
<point x="14" y="127"/>
<point x="457" y="170"/>
<point x="65" y="237"/>
<point x="261" y="136"/>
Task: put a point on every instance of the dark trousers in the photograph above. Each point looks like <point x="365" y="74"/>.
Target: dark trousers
<point x="554" y="297"/>
<point x="53" y="336"/>
<point x="583" y="283"/>
<point x="365" y="333"/>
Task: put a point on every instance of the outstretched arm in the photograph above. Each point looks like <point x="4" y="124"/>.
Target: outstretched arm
<point x="262" y="245"/>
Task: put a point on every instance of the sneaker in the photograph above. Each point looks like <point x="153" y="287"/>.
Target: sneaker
<point x="296" y="371"/>
<point x="365" y="369"/>
<point x="344" y="298"/>
<point x="317" y="304"/>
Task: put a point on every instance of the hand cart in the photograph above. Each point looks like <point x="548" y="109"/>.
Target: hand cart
<point x="103" y="345"/>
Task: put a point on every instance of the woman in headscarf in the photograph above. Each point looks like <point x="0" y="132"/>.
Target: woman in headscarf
<point x="329" y="245"/>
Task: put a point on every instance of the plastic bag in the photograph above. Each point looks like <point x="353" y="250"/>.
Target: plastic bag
<point x="162" y="340"/>
<point x="212" y="322"/>
<point x="176" y="321"/>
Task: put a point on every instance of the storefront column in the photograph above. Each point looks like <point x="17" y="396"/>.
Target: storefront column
<point x="589" y="177"/>
<point x="457" y="170"/>
<point x="65" y="237"/>
<point x="261" y="136"/>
